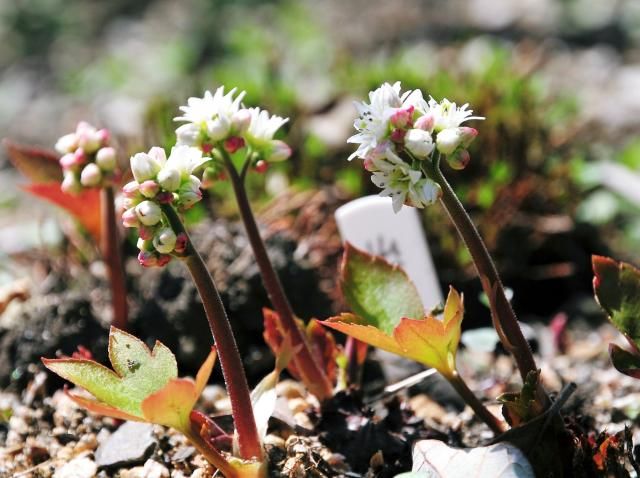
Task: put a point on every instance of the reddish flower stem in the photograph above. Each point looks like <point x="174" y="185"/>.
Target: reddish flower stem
<point x="110" y="247"/>
<point x="313" y="375"/>
<point x="504" y="318"/>
<point x="225" y="342"/>
<point x="480" y="410"/>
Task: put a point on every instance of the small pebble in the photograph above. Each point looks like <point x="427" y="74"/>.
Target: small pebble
<point x="81" y="467"/>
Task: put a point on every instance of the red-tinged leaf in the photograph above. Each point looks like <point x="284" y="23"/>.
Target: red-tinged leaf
<point x="357" y="327"/>
<point x="171" y="405"/>
<point x="617" y="289"/>
<point x="624" y="361"/>
<point x="202" y="377"/>
<point x="102" y="408"/>
<point x="430" y="341"/>
<point x="323" y="348"/>
<point x="85" y="206"/>
<point x="322" y="343"/>
<point x="38" y="165"/>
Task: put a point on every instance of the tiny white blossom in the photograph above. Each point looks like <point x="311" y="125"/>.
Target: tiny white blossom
<point x="448" y="115"/>
<point x="212" y="114"/>
<point x="90" y="175"/>
<point x="145" y="166"/>
<point x="184" y="160"/>
<point x="165" y="240"/>
<point x="373" y="119"/>
<point x="263" y="126"/>
<point x="67" y="143"/>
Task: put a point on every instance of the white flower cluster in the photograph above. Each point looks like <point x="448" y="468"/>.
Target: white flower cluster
<point x="220" y="120"/>
<point x="397" y="131"/>
<point x="87" y="159"/>
<point x="161" y="180"/>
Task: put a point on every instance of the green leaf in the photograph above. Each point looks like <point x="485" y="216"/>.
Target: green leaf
<point x="377" y="291"/>
<point x="624" y="361"/>
<point x="617" y="290"/>
<point x="139" y="372"/>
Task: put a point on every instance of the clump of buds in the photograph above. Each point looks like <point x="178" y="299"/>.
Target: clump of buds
<point x="87" y="159"/>
<point x="160" y="181"/>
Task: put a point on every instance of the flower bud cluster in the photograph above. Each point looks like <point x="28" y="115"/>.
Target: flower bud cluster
<point x="159" y="180"/>
<point x="87" y="159"/>
<point x="397" y="132"/>
<point x="220" y="121"/>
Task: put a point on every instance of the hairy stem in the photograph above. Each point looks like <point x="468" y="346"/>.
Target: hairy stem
<point x="480" y="410"/>
<point x="230" y="361"/>
<point x="504" y="318"/>
<point x="313" y="375"/>
<point x="212" y="455"/>
<point x="110" y="247"/>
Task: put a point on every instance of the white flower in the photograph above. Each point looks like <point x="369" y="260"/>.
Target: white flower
<point x="184" y="160"/>
<point x="89" y="138"/>
<point x="419" y="142"/>
<point x="169" y="179"/>
<point x="373" y="119"/>
<point x="146" y="165"/>
<point x="396" y="183"/>
<point x="212" y="113"/>
<point x="262" y="127"/>
<point x="448" y="115"/>
<point x="278" y="151"/>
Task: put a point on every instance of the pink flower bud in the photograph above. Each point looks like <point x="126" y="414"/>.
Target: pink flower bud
<point x="467" y="135"/>
<point x="163" y="260"/>
<point x="397" y="135"/>
<point x="130" y="218"/>
<point x="402" y="118"/>
<point x="181" y="243"/>
<point x="459" y="160"/>
<point x="67" y="143"/>
<point x="70" y="184"/>
<point x="278" y="151"/>
<point x="149" y="188"/>
<point x="131" y="190"/>
<point x="262" y="166"/>
<point x="106" y="159"/>
<point x="146" y="233"/>
<point x="147" y="259"/>
<point x="90" y="175"/>
<point x="207" y="148"/>
<point x="68" y="161"/>
<point x="368" y="164"/>
<point x="80" y="156"/>
<point x="233" y="144"/>
<point x="165" y="197"/>
<point x="425" y="122"/>
<point x="105" y="136"/>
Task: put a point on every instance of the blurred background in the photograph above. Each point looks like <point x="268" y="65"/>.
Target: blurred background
<point x="552" y="176"/>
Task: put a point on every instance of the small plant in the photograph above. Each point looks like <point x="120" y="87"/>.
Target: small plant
<point x="617" y="289"/>
<point x="389" y="314"/>
<point x="144" y="386"/>
<point x="402" y="139"/>
<point x="82" y="183"/>
<point x="237" y="139"/>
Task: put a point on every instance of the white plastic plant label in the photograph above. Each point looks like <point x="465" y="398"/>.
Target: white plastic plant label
<point x="369" y="223"/>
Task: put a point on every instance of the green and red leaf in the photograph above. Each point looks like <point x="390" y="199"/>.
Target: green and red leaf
<point x="378" y="291"/>
<point x="617" y="290"/>
<point x="430" y="341"/>
<point x="84" y="206"/>
<point x="38" y="165"/>
<point x="624" y="361"/>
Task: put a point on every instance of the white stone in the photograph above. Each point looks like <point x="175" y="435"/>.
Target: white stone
<point x="369" y="223"/>
<point x="81" y="467"/>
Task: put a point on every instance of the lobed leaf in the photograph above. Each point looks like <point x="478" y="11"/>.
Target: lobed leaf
<point x="617" y="289"/>
<point x="138" y="374"/>
<point x="428" y="340"/>
<point x="378" y="291"/>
